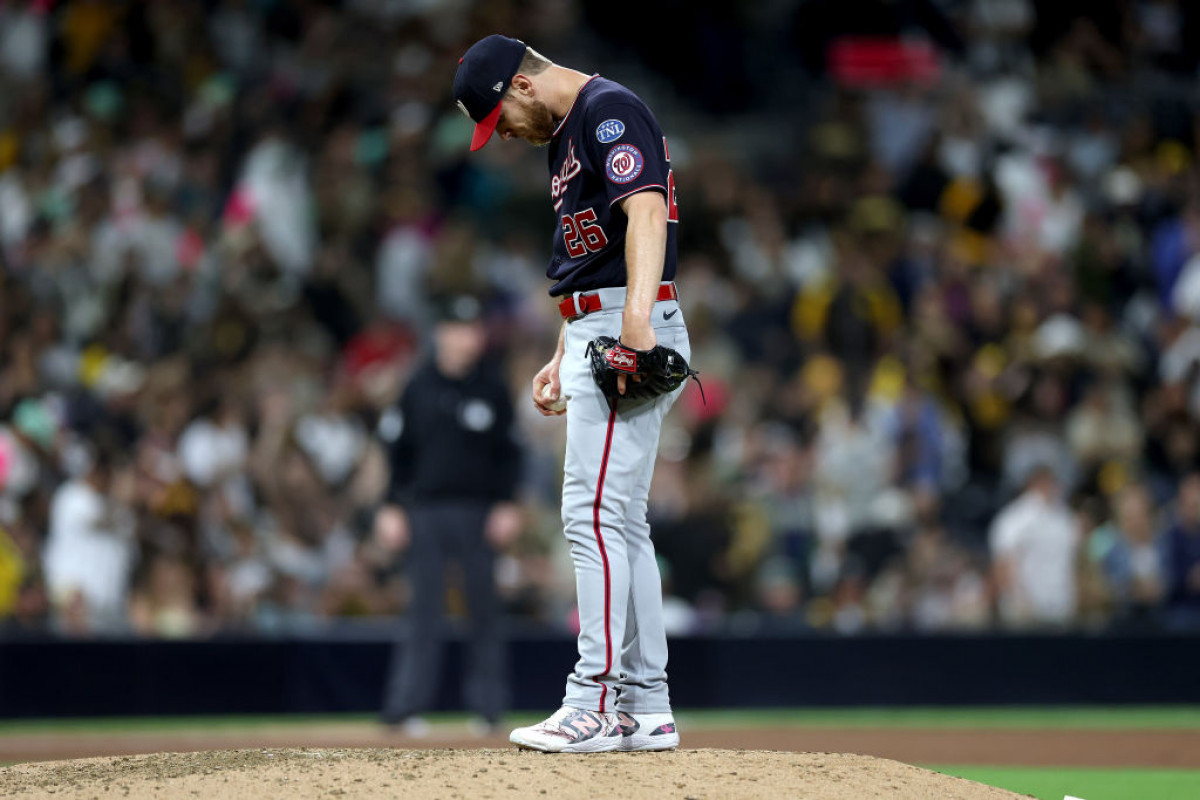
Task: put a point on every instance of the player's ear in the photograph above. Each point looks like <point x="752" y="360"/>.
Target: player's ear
<point x="522" y="84"/>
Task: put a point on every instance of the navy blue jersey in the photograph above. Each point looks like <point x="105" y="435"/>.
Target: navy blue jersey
<point x="608" y="147"/>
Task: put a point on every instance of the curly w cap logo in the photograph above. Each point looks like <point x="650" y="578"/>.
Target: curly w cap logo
<point x="624" y="164"/>
<point x="621" y="359"/>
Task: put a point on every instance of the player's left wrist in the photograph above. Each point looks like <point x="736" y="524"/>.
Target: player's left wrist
<point x="637" y="340"/>
<point x="637" y="324"/>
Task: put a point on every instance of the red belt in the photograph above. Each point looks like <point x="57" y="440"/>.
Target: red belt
<point x="576" y="305"/>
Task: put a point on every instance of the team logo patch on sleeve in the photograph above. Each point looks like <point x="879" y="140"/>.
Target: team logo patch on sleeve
<point x="609" y="131"/>
<point x="624" y="164"/>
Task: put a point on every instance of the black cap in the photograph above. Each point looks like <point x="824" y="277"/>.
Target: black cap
<point x="482" y="79"/>
<point x="458" y="308"/>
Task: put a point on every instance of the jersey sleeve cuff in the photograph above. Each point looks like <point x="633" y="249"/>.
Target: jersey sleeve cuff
<point x="655" y="186"/>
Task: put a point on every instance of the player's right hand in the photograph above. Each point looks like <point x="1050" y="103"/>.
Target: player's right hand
<point x="391" y="528"/>
<point x="547" y="375"/>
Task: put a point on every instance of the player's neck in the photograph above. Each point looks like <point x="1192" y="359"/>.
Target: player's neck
<point x="564" y="86"/>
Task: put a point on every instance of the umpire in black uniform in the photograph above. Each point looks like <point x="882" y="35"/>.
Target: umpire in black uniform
<point x="454" y="470"/>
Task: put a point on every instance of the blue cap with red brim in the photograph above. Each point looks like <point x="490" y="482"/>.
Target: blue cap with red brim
<point x="483" y="76"/>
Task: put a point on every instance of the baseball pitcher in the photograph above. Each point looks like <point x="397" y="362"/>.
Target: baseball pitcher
<point x="619" y="366"/>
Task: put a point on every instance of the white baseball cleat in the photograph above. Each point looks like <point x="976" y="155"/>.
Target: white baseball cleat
<point x="647" y="731"/>
<point x="571" y="730"/>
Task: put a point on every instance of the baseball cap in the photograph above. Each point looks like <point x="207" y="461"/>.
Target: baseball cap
<point x="483" y="76"/>
<point x="461" y="308"/>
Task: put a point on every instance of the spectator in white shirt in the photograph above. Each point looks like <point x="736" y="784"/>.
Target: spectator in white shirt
<point x="1034" y="542"/>
<point x="90" y="553"/>
<point x="214" y="448"/>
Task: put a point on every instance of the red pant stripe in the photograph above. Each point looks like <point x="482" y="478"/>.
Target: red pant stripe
<point x="612" y="419"/>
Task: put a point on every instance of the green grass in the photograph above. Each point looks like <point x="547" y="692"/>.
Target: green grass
<point x="1055" y="783"/>
<point x="1095" y="718"/>
<point x="1042" y="717"/>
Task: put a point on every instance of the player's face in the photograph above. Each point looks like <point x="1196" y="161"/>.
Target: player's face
<point x="525" y="118"/>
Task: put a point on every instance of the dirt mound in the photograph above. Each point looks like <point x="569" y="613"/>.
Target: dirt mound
<point x="354" y="773"/>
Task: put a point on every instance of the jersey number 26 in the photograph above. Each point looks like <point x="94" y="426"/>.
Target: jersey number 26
<point x="582" y="234"/>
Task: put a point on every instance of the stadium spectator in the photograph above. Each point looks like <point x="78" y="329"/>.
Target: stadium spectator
<point x="91" y="550"/>
<point x="163" y="604"/>
<point x="1034" y="542"/>
<point x="1128" y="554"/>
<point x="1181" y="563"/>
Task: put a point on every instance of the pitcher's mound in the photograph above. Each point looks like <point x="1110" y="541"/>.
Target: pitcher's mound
<point x="474" y="774"/>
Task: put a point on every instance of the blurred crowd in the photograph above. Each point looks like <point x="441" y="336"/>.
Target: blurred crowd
<point x="947" y="313"/>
